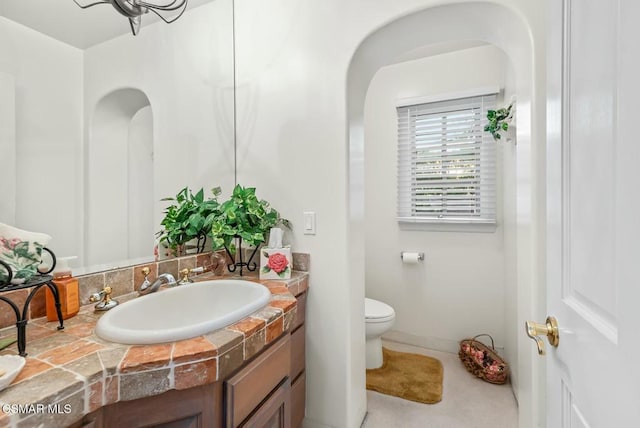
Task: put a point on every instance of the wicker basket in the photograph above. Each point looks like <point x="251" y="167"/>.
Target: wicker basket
<point x="482" y="361"/>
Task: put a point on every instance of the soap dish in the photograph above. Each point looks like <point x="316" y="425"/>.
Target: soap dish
<point x="11" y="365"/>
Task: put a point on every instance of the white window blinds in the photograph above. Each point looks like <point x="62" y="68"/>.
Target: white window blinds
<point x="446" y="162"/>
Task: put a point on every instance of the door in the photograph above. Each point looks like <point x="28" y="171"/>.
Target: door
<point x="593" y="213"/>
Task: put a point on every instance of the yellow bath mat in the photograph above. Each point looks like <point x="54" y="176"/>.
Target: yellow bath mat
<point x="410" y="376"/>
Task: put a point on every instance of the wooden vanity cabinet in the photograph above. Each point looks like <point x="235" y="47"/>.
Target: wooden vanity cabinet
<point x="284" y="406"/>
<point x="199" y="407"/>
<point x="297" y="371"/>
<point x="268" y="392"/>
<point x="259" y="393"/>
<point x="275" y="412"/>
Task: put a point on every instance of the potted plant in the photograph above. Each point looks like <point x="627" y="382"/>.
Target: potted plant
<point x="243" y="218"/>
<point x="499" y="121"/>
<point x="189" y="217"/>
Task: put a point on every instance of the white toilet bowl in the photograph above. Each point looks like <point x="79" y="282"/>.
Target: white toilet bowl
<point x="379" y="318"/>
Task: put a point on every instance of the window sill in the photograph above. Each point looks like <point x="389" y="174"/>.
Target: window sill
<point x="437" y="225"/>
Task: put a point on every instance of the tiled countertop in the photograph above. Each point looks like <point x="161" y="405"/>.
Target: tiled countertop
<point x="78" y="372"/>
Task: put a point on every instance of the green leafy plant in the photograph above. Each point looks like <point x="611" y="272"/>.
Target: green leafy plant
<point x="190" y="217"/>
<point x="498" y="121"/>
<point x="245" y="216"/>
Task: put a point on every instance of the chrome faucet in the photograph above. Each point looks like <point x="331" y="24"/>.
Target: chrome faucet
<point x="147" y="287"/>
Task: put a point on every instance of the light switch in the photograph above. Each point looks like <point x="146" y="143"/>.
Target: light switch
<point x="309" y="222"/>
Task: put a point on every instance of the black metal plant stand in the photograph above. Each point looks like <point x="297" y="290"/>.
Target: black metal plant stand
<point x="35" y="284"/>
<point x="202" y="238"/>
<point x="249" y="264"/>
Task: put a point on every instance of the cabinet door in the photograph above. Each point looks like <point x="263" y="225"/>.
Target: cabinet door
<point x="301" y="311"/>
<point x="297" y="401"/>
<point x="254" y="383"/>
<point x="275" y="412"/>
<point x="92" y="420"/>
<point x="199" y="407"/>
<point x="297" y="352"/>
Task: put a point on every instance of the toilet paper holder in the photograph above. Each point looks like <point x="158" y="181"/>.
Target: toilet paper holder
<point x="420" y="255"/>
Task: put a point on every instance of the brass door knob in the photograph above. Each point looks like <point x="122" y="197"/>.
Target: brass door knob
<point x="549" y="329"/>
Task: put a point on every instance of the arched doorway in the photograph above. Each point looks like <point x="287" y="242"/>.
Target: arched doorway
<point x="453" y="24"/>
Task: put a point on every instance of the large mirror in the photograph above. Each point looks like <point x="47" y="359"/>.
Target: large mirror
<point x="97" y="126"/>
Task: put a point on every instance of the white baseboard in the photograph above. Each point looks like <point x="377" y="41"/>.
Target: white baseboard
<point x="309" y="423"/>
<point x="435" y="343"/>
<point x="364" y="419"/>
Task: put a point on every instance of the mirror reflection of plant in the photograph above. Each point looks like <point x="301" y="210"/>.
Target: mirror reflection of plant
<point x="244" y="216"/>
<point x="190" y="217"/>
<point x="499" y="121"/>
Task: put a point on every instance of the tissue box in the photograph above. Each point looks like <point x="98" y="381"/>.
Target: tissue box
<point x="275" y="263"/>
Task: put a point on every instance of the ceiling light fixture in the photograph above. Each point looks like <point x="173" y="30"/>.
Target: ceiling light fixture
<point x="134" y="9"/>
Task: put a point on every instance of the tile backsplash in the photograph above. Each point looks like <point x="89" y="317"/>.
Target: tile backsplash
<point x="128" y="279"/>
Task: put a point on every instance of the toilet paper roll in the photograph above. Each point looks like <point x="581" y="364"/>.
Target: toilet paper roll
<point x="412" y="258"/>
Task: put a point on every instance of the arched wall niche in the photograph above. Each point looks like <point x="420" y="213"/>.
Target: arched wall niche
<point x="119" y="174"/>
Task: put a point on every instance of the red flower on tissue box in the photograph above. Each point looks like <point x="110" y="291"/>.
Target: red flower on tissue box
<point x="275" y="263"/>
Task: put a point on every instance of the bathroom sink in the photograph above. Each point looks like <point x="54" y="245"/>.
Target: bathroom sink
<point x="182" y="312"/>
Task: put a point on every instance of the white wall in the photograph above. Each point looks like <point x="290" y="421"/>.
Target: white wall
<point x="185" y="70"/>
<point x="293" y="59"/>
<point x="459" y="290"/>
<point x="7" y="148"/>
<point x="509" y="190"/>
<point x="48" y="121"/>
<point x="140" y="172"/>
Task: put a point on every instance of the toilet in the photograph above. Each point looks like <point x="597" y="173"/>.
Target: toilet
<point x="379" y="318"/>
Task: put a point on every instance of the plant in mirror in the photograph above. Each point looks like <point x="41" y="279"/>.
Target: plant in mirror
<point x="188" y="218"/>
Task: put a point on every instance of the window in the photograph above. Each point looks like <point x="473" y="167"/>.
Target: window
<point x="446" y="162"/>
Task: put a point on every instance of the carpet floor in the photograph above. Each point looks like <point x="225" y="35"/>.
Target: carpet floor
<point x="466" y="401"/>
<point x="413" y="377"/>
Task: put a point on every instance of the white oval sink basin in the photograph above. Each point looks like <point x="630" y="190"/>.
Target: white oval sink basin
<point x="182" y="312"/>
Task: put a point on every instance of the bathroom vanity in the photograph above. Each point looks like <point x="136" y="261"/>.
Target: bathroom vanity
<point x="269" y="391"/>
<point x="248" y="374"/>
<point x="258" y="395"/>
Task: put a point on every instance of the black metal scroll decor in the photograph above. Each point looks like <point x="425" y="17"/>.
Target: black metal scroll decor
<point x="238" y="261"/>
<point x="38" y="281"/>
<point x="201" y="239"/>
<point x="187" y="248"/>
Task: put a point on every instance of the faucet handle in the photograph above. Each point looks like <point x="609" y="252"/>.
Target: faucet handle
<point x="145" y="284"/>
<point x="105" y="302"/>
<point x="185" y="277"/>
